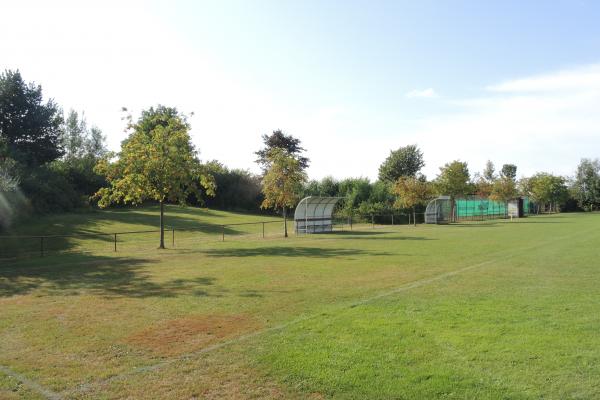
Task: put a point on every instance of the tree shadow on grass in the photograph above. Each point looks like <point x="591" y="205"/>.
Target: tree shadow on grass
<point x="289" y="251"/>
<point x="88" y="231"/>
<point x="104" y="276"/>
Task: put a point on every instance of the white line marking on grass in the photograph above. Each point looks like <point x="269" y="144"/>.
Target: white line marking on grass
<point x="399" y="289"/>
<point x="47" y="393"/>
<point x="408" y="286"/>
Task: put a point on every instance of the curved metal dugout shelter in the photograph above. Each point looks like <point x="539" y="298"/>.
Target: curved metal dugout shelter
<point x="438" y="211"/>
<point x="314" y="214"/>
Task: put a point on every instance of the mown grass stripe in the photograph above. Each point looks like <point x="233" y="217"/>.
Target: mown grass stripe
<point x="504" y="254"/>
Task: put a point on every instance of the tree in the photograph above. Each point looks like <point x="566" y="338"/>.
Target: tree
<point x="546" y="189"/>
<point x="509" y="171"/>
<point x="9" y="181"/>
<point x="406" y="161"/>
<point x="74" y="136"/>
<point x="30" y="128"/>
<point x="287" y="143"/>
<point x="586" y="186"/>
<point x="454" y="181"/>
<point x="95" y="143"/>
<point x="411" y="192"/>
<point x="503" y="190"/>
<point x="282" y="182"/>
<point x="157" y="162"/>
<point x="489" y="171"/>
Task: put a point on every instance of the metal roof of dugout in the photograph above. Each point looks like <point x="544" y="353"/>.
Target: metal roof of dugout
<point x="314" y="214"/>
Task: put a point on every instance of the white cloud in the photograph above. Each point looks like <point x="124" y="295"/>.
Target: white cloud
<point x="546" y="122"/>
<point x="425" y="93"/>
<point x="580" y="79"/>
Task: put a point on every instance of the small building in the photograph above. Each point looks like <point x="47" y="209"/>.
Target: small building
<point x="438" y="211"/>
<point x="314" y="214"/>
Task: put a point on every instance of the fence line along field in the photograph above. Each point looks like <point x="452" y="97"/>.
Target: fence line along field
<point x="497" y="309"/>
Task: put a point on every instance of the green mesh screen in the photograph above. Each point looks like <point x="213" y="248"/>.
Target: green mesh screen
<point x="466" y="208"/>
<point x="480" y="207"/>
<point x="526" y="205"/>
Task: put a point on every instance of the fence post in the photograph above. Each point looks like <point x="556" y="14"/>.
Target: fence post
<point x="372" y="221"/>
<point x="409" y="218"/>
<point x="351" y="222"/>
<point x="263" y="230"/>
<point x="392" y="219"/>
<point x="115" y="242"/>
<point x="223" y="233"/>
<point x="173" y="238"/>
<point x="42" y="246"/>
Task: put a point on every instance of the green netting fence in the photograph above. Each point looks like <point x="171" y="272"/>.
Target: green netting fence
<point x="481" y="208"/>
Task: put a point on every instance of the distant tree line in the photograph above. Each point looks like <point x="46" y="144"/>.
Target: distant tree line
<point x="51" y="161"/>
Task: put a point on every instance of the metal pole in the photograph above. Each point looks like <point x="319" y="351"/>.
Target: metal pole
<point x="115" y="242"/>
<point x="223" y="233"/>
<point x="392" y="219"/>
<point x="350" y="221"/>
<point x="263" y="230"/>
<point x="173" y="238"/>
<point x="372" y="221"/>
<point x="409" y="218"/>
<point x="42" y="246"/>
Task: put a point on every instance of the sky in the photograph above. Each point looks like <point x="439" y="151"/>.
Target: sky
<point x="509" y="81"/>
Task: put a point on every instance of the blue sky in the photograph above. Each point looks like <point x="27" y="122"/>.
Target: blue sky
<point x="512" y="82"/>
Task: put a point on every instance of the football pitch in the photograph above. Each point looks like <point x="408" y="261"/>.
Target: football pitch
<point x="487" y="310"/>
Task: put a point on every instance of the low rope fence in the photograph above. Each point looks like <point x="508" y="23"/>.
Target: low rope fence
<point x="23" y="246"/>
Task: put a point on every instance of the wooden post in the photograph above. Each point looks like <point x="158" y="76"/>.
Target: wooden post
<point x="263" y="230"/>
<point x="173" y="238"/>
<point x="115" y="242"/>
<point x="162" y="226"/>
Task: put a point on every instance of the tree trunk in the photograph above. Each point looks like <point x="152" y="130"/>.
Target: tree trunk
<point x="162" y="226"/>
<point x="414" y="216"/>
<point x="285" y="233"/>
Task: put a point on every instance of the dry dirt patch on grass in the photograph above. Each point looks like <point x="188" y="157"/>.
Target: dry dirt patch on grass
<point x="183" y="335"/>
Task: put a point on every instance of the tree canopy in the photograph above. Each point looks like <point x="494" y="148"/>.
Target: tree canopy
<point x="545" y="190"/>
<point x="454" y="180"/>
<point x="30" y="127"/>
<point x="157" y="162"/>
<point x="509" y="171"/>
<point x="503" y="190"/>
<point x="287" y="143"/>
<point x="410" y="192"/>
<point x="586" y="185"/>
<point x="405" y="161"/>
<point x="489" y="172"/>
<point x="282" y="182"/>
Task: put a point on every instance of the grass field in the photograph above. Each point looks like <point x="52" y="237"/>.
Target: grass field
<point x="494" y="310"/>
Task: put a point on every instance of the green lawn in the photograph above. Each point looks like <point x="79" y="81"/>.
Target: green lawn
<point x="488" y="310"/>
